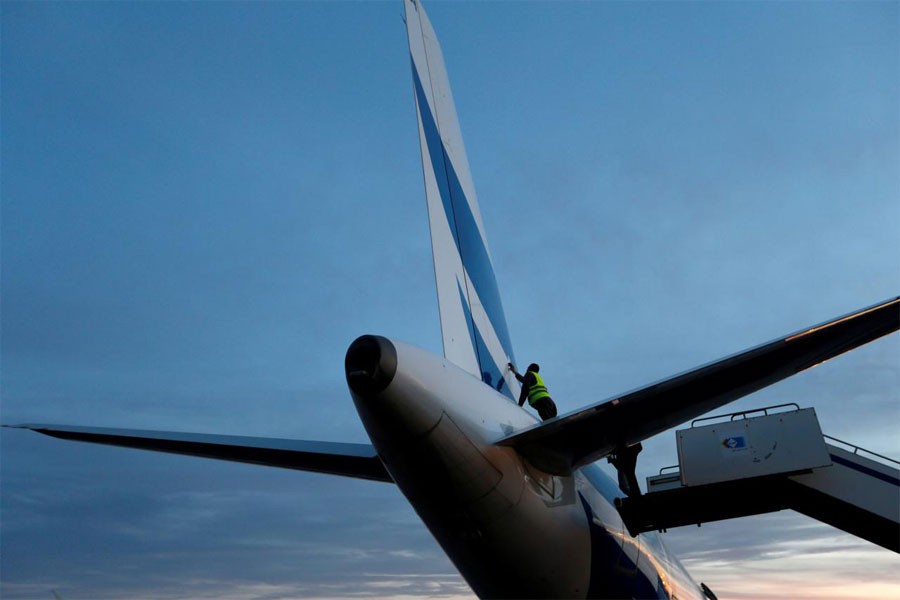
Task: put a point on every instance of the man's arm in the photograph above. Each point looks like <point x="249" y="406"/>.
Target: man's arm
<point x="527" y="382"/>
<point x="524" y="393"/>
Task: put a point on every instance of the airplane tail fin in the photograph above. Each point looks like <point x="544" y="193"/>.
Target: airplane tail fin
<point x="473" y="325"/>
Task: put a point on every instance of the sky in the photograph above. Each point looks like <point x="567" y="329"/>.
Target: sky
<point x="203" y="204"/>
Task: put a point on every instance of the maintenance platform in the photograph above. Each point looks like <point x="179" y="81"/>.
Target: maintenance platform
<point x="765" y="460"/>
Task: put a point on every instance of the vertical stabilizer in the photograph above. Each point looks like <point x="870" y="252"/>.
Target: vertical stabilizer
<point x="472" y="321"/>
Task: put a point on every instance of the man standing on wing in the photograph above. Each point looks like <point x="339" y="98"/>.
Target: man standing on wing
<point x="534" y="389"/>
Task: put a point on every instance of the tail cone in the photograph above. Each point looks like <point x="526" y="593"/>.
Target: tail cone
<point x="370" y="365"/>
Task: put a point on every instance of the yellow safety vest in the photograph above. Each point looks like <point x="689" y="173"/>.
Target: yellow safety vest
<point x="538" y="390"/>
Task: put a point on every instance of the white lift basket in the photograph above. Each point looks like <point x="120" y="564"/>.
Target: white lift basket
<point x="743" y="447"/>
<point x="739" y="465"/>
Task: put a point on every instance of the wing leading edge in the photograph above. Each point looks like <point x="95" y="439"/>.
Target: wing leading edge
<point x="350" y="460"/>
<point x="586" y="435"/>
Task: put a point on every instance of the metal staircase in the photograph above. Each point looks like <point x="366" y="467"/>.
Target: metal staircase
<point x="749" y="465"/>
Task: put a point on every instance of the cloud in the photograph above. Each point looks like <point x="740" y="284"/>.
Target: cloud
<point x="784" y="551"/>
<point x="203" y="205"/>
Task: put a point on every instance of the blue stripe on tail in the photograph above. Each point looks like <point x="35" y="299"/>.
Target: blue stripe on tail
<point x="465" y="232"/>
<point x="491" y="373"/>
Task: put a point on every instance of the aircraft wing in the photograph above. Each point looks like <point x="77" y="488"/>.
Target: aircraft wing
<point x="586" y="435"/>
<point x="350" y="460"/>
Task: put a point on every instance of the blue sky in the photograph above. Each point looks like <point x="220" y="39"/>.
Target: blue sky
<point x="203" y="204"/>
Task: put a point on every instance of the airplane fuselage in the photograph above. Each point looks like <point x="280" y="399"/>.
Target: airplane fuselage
<point x="511" y="529"/>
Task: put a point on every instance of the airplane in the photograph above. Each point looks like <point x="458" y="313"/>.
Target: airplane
<point x="518" y="505"/>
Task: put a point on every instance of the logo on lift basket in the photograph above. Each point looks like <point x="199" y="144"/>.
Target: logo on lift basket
<point x="736" y="442"/>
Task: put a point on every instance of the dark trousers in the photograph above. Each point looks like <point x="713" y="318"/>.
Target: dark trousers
<point x="546" y="408"/>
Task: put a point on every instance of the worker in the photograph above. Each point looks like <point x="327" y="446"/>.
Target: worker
<point x="534" y="389"/>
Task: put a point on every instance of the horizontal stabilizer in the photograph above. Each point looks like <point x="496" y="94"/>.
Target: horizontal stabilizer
<point x="588" y="434"/>
<point x="350" y="460"/>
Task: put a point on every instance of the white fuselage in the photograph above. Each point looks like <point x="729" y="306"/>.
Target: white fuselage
<point x="510" y="529"/>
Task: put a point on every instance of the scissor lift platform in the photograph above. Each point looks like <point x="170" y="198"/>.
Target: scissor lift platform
<point x="752" y="465"/>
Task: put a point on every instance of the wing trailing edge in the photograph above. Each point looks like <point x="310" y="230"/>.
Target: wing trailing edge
<point x="350" y="460"/>
<point x="586" y="435"/>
